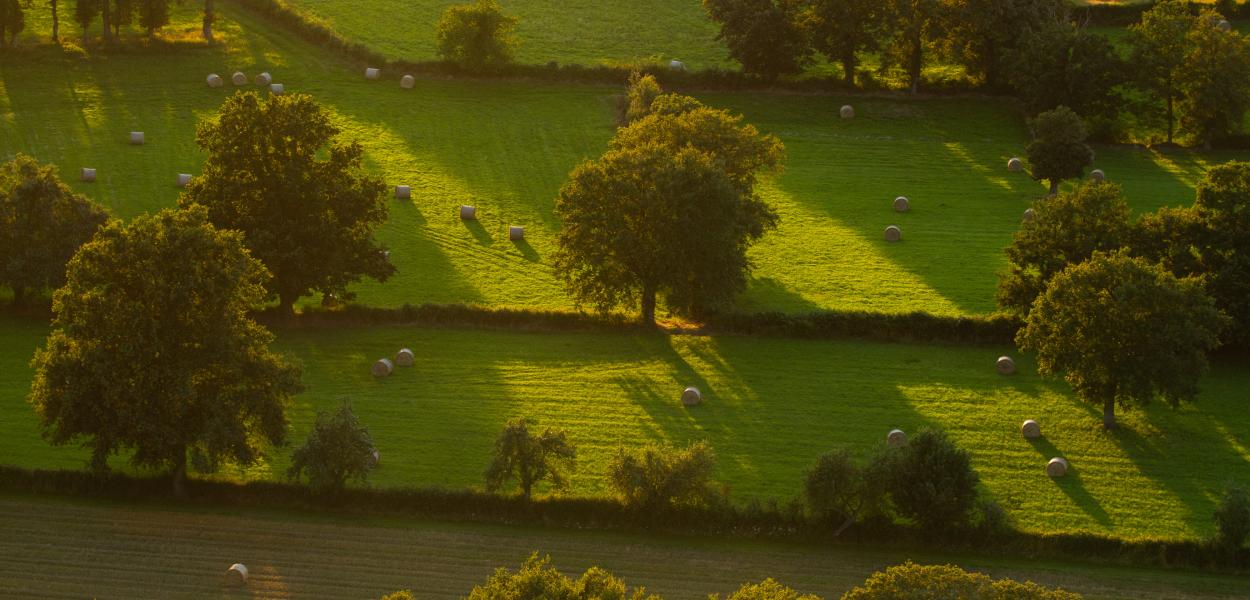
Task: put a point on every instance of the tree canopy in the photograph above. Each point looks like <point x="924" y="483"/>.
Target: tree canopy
<point x="842" y="29"/>
<point x="1059" y="150"/>
<point x="1161" y="45"/>
<point x="910" y="580"/>
<point x="339" y="448"/>
<point x="476" y="36"/>
<point x="1064" y="64"/>
<point x="1214" y="84"/>
<point x="538" y="579"/>
<point x="763" y="35"/>
<point x="530" y="458"/>
<point x="656" y="476"/>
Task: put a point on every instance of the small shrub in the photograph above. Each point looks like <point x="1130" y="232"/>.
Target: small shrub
<point x="1232" y="517"/>
<point x="476" y="36"/>
<point x="932" y="482"/>
<point x="660" y="476"/>
<point x="912" y="581"/>
<point x="530" y="458"/>
<point x="339" y="448"/>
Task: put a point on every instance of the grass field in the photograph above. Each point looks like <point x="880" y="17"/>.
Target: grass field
<point x="507" y="147"/>
<point x="62" y="549"/>
<point x="773" y="406"/>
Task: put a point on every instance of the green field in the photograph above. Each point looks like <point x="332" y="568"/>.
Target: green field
<point x="507" y="146"/>
<point x="61" y="549"/>
<point x="773" y="406"/>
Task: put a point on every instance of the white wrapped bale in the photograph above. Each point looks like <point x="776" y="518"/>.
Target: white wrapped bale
<point x="372" y="74"/>
<point x="1029" y="215"/>
<point x="902" y="204"/>
<point x="88" y="175"/>
<point x="468" y="213"/>
<point x="893" y="234"/>
<point x="407" y="82"/>
<point x="516" y="233"/>
<point x="236" y="575"/>
<point x="382" y="367"/>
<point x="403" y="192"/>
<point x="1097" y="176"/>
<point x="691" y="396"/>
<point x="404" y="357"/>
<point x="676" y="65"/>
<point x="184" y="179"/>
<point x="1057" y="467"/>
<point x="239" y="78"/>
<point x="277" y="88"/>
<point x="1015" y="165"/>
<point x="896" y="438"/>
<point x="215" y="81"/>
<point x="1224" y="25"/>
<point x="1031" y="430"/>
<point x="847" y="112"/>
<point x="136" y="138"/>
<point x="376" y="457"/>
<point x="264" y="79"/>
<point x="1005" y="365"/>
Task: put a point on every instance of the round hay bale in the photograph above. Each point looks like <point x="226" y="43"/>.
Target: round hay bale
<point x="902" y="204"/>
<point x="404" y="357"/>
<point x="403" y="192"/>
<point x="1031" y="430"/>
<point x="264" y="79"/>
<point x="1097" y="176"/>
<point x="1029" y="215"/>
<point x="1224" y="25"/>
<point x="239" y="78"/>
<point x="1015" y="165"/>
<point x="468" y="213"/>
<point x="215" y="81"/>
<point x="236" y="575"/>
<point x="136" y="138"/>
<point x="516" y="233"/>
<point x="184" y="179"/>
<point x="847" y="112"/>
<point x="1005" y="365"/>
<point x="676" y="65"/>
<point x="896" y="438"/>
<point x="88" y="175"/>
<point x="691" y="396"/>
<point x="407" y="82"/>
<point x="276" y="88"/>
<point x="893" y="234"/>
<point x="382" y="367"/>
<point x="1057" y="467"/>
<point x="372" y="73"/>
<point x="376" y="456"/>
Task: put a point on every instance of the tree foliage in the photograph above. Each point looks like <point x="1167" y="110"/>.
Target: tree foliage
<point x="1161" y="46"/>
<point x="763" y="35"/>
<point x="153" y="14"/>
<point x="980" y="34"/>
<point x="910" y="581"/>
<point x="1064" y="64"/>
<point x="152" y="349"/>
<point x="537" y="579"/>
<point x="639" y="95"/>
<point x="1232" y="517"/>
<point x="1214" y="85"/>
<point x="12" y="22"/>
<point x="769" y="589"/>
<point x="843" y="29"/>
<point x="477" y="36"/>
<point x="85" y="12"/>
<point x="42" y="224"/>
<point x="659" y="476"/>
<point x="338" y="449"/>
<point x="913" y="29"/>
<point x="1066" y="229"/>
<point x="1123" y="331"/>
<point x="1059" y="150"/>
<point x="931" y="481"/>
<point x="301" y="198"/>
<point x="839" y="490"/>
<point x="530" y="458"/>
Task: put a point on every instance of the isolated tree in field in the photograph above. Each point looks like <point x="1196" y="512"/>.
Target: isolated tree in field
<point x="840" y="491"/>
<point x="530" y="458"/>
<point x="1122" y="331"/>
<point x="12" y="22"/>
<point x="301" y="198"/>
<point x="1066" y="229"/>
<point x="1059" y="150"/>
<point x="769" y="589"/>
<point x="1067" y="65"/>
<point x="913" y="27"/>
<point x="42" y="224"/>
<point x="1214" y="84"/>
<point x="660" y="476"/>
<point x="980" y="34"/>
<point x="931" y="481"/>
<point x="339" y="448"/>
<point x="477" y="36"/>
<point x="912" y="581"/>
<point x="763" y="35"/>
<point x="153" y="14"/>
<point x="843" y="29"/>
<point x="1161" y="45"/>
<point x="152" y="351"/>
<point x="538" y="579"/>
<point x="85" y="12"/>
<point x="1232" y="517"/>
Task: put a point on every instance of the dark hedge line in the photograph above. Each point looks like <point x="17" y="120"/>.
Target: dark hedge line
<point x="1127" y="14"/>
<point x="782" y="521"/>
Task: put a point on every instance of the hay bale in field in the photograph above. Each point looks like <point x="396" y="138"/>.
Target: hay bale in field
<point x="136" y="138"/>
<point x="407" y="82"/>
<point x="1224" y="25"/>
<point x="404" y="357"/>
<point x="1057" y="467"/>
<point x="468" y="213"/>
<point x="184" y="179"/>
<point x="277" y="88"/>
<point x="676" y="65"/>
<point x="236" y="575"/>
<point x="902" y="204"/>
<point x="1015" y="165"/>
<point x="691" y="396"/>
<point x="896" y="438"/>
<point x="1097" y="176"/>
<point x="382" y="367"/>
<point x="1005" y="365"/>
<point x="847" y="112"/>
<point x="516" y="233"/>
<point x="215" y="81"/>
<point x="239" y="78"/>
<point x="893" y="233"/>
<point x="403" y="192"/>
<point x="1029" y="215"/>
<point x="264" y="79"/>
<point x="376" y="456"/>
<point x="1031" y="430"/>
<point x="88" y="175"/>
<point x="372" y="73"/>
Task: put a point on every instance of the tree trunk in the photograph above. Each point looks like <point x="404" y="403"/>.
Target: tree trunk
<point x="180" y="473"/>
<point x="526" y="486"/>
<point x="1171" y="117"/>
<point x="19" y="296"/>
<point x="648" y="305"/>
<point x="1054" y="186"/>
<point x="845" y="525"/>
<point x="208" y="21"/>
<point x="286" y="304"/>
<point x="1108" y="414"/>
<point x="848" y="68"/>
<point x="105" y="21"/>
<point x="56" y="24"/>
<point x="915" y="63"/>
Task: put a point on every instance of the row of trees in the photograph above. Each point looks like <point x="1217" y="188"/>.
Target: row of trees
<point x="113" y="15"/>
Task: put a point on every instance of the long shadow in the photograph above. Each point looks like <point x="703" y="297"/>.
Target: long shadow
<point x="479" y="233"/>
<point x="1071" y="484"/>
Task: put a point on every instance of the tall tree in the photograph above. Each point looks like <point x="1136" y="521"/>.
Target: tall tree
<point x="153" y="14"/>
<point x="42" y="224"/>
<point x="152" y="350"/>
<point x="763" y="35"/>
<point x="981" y="33"/>
<point x="56" y="22"/>
<point x="914" y="27"/>
<point x="1066" y="229"/>
<point x="1161" y="44"/>
<point x="301" y="197"/>
<point x="1123" y="331"/>
<point x="85" y="12"/>
<point x="477" y="36"/>
<point x="12" y="22"/>
<point x="530" y="458"/>
<point x="1214" y="85"/>
<point x="843" y="29"/>
<point x="1068" y="65"/>
<point x="1059" y="150"/>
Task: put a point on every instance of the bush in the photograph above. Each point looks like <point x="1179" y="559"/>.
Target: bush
<point x="338" y="448"/>
<point x="840" y="491"/>
<point x="661" y="476"/>
<point x="932" y="482"/>
<point x="530" y="458"/>
<point x="537" y="579"/>
<point x="913" y="581"/>
<point x="476" y="36"/>
<point x="400" y="595"/>
<point x="768" y="589"/>
<point x="1232" y="517"/>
